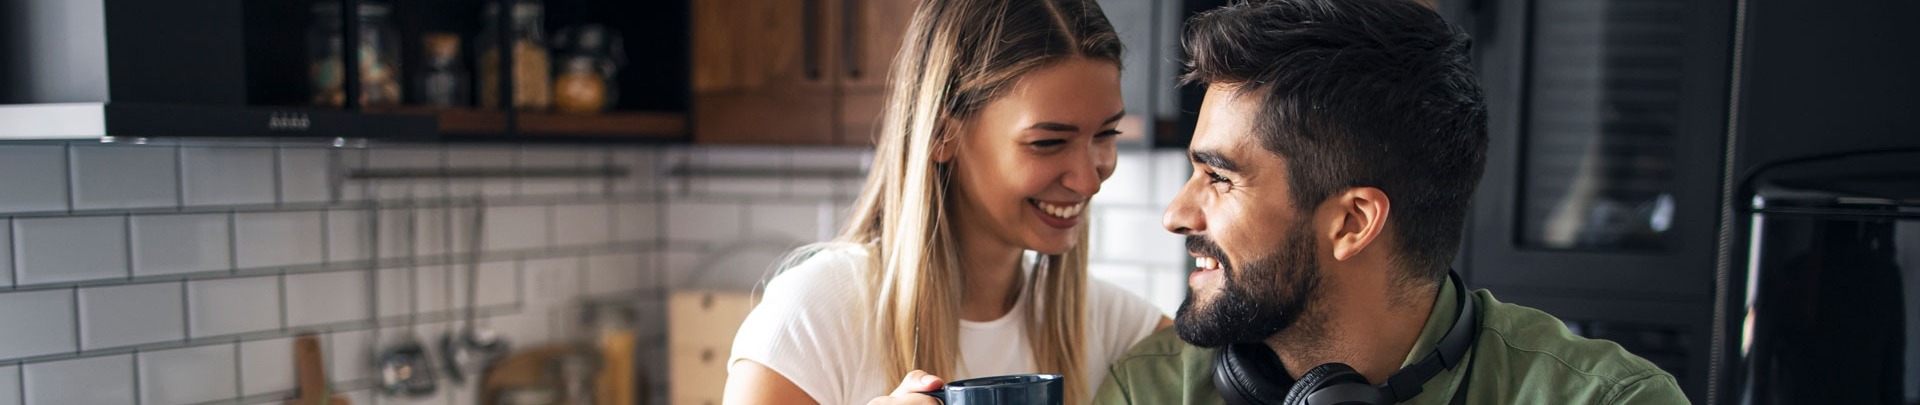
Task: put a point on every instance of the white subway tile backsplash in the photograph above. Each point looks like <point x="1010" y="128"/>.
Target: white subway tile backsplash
<point x="551" y="281"/>
<point x="306" y="175"/>
<point x="36" y="178"/>
<point x="432" y="231"/>
<point x="499" y="283"/>
<point x="1131" y="183"/>
<point x="324" y="298"/>
<point x="481" y="157"/>
<point x="56" y="250"/>
<point x="347" y="160"/>
<point x="10" y="385"/>
<point x="432" y="289"/>
<point x="703" y="221"/>
<point x="129" y="265"/>
<point x="1169" y="287"/>
<point x="6" y="253"/>
<point x="40" y="323"/>
<point x="350" y="355"/>
<point x="409" y="157"/>
<point x="347" y="232"/>
<point x="1131" y="278"/>
<point x="107" y="177"/>
<point x="553" y="158"/>
<point x="174" y="244"/>
<point x="266" y="366"/>
<point x="130" y="315"/>
<point x="1135" y="234"/>
<point x="581" y="224"/>
<point x="224" y="176"/>
<point x="188" y="376"/>
<point x="234" y="305"/>
<point x="636" y="222"/>
<point x="642" y="170"/>
<point x="273" y="239"/>
<point x="513" y="228"/>
<point x="104" y="380"/>
<point x="394" y="289"/>
<point x="614" y="274"/>
<point x="1171" y="168"/>
<point x="799" y="223"/>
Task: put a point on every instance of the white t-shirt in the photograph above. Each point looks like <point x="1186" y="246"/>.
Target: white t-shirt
<point x="812" y="326"/>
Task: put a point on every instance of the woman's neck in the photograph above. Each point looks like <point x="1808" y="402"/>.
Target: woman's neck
<point x="990" y="279"/>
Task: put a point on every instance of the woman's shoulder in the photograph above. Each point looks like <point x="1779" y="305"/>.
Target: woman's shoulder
<point x="821" y="276"/>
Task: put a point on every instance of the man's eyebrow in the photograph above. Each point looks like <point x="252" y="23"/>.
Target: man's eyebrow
<point x="1214" y="159"/>
<point x="1062" y="127"/>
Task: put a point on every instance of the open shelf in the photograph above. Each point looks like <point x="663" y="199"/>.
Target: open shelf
<point x="467" y="122"/>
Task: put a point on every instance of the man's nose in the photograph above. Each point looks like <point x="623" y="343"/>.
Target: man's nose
<point x="1183" y="213"/>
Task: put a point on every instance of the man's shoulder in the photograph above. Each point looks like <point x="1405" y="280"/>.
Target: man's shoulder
<point x="1161" y="369"/>
<point x="1530" y="342"/>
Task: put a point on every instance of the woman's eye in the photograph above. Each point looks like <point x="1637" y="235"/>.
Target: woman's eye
<point x="1048" y="143"/>
<point x="1108" y="133"/>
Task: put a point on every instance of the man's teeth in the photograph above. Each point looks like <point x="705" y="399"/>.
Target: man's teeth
<point x="1206" y="263"/>
<point x="1067" y="211"/>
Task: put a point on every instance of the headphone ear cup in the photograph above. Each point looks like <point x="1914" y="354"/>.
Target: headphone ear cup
<point x="1249" y="374"/>
<point x="1326" y="375"/>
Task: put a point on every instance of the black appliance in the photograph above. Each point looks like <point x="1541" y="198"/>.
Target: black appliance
<point x="1830" y="311"/>
<point x="129" y="68"/>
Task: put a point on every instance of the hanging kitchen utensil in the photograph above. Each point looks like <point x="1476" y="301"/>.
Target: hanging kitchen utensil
<point x="469" y="350"/>
<point x="405" y="368"/>
<point x="312" y="373"/>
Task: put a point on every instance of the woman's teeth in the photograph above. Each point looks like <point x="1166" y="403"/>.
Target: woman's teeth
<point x="1062" y="211"/>
<point x="1206" y="263"/>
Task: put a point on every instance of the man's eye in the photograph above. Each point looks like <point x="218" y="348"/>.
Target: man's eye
<point x="1213" y="178"/>
<point x="1108" y="133"/>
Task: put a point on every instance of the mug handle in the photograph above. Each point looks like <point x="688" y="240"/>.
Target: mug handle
<point x="938" y="394"/>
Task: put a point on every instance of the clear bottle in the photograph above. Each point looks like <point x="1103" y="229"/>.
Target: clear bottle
<point x="531" y="65"/>
<point x="445" y="81"/>
<point x="379" y="53"/>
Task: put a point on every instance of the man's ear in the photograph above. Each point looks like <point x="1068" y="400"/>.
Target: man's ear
<point x="1357" y="217"/>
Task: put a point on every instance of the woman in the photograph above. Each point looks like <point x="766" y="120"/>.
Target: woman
<point x="965" y="254"/>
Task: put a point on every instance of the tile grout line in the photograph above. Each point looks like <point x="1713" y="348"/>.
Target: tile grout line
<point x="137" y="400"/>
<point x="239" y="372"/>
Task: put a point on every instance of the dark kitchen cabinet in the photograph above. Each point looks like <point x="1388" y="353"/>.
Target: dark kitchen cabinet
<point x="792" y="72"/>
<point x="651" y="92"/>
<point x="1607" y="124"/>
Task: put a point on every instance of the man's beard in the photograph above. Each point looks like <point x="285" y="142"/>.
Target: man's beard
<point x="1257" y="300"/>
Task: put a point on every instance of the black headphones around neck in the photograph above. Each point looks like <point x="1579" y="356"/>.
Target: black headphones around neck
<point x="1250" y="374"/>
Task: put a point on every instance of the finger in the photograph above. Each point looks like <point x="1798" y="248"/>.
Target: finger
<point x="917" y="381"/>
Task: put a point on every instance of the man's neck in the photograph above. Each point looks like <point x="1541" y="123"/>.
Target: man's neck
<point x="1358" y="327"/>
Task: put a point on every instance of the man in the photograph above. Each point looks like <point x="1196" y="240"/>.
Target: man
<point x="1338" y="144"/>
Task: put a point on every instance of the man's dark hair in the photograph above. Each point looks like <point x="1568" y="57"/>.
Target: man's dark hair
<point x="1358" y="93"/>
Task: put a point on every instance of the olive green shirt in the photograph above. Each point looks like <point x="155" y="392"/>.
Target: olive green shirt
<point x="1522" y="356"/>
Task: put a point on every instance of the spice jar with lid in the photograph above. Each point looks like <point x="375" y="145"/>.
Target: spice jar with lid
<point x="378" y="52"/>
<point x="531" y="66"/>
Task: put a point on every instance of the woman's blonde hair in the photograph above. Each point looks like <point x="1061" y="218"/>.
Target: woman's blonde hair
<point x="957" y="56"/>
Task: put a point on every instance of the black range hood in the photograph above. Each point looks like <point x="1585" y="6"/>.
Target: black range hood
<point x="77" y="69"/>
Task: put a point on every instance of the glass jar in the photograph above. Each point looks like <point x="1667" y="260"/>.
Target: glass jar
<point x="444" y="82"/>
<point x="531" y="67"/>
<point x="589" y="56"/>
<point x="379" y="53"/>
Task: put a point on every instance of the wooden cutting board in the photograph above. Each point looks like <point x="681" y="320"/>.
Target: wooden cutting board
<point x="312" y="372"/>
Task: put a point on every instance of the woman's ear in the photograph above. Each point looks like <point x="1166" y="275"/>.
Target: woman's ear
<point x="943" y="147"/>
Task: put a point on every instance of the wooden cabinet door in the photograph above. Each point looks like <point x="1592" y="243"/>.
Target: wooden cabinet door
<point x="871" y="34"/>
<point x="763" y="72"/>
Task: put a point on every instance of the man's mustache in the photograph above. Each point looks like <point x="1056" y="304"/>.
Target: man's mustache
<point x="1200" y="245"/>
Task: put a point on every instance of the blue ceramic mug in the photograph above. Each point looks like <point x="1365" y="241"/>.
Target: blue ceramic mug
<point x="1017" y="389"/>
